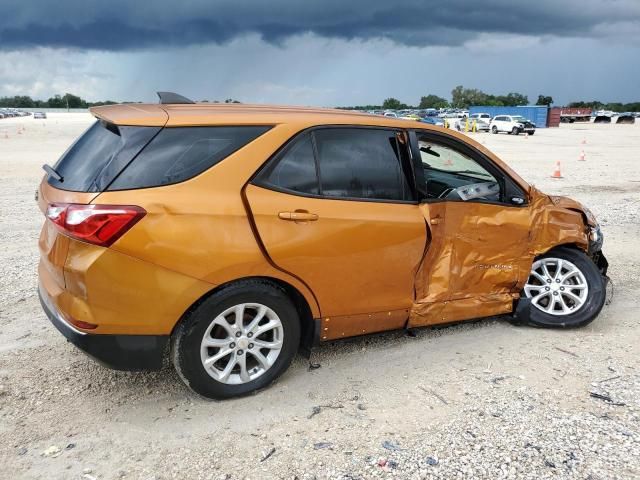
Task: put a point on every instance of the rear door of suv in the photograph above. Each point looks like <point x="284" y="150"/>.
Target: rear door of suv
<point x="336" y="208"/>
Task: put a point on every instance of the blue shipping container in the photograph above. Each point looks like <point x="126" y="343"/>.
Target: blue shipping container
<point x="534" y="113"/>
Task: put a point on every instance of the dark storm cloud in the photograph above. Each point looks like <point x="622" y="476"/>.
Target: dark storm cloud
<point x="128" y="25"/>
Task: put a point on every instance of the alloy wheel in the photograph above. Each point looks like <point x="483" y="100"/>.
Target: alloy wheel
<point x="556" y="286"/>
<point x="242" y="343"/>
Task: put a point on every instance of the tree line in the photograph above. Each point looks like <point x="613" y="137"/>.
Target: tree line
<point x="462" y="97"/>
<point x="68" y="100"/>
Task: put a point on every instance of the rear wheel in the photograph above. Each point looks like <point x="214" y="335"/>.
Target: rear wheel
<point x="531" y="133"/>
<point x="237" y="341"/>
<point x="566" y="289"/>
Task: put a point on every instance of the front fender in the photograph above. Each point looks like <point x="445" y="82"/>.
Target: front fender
<point x="557" y="221"/>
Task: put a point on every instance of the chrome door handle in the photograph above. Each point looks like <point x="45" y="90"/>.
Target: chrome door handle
<point x="298" y="216"/>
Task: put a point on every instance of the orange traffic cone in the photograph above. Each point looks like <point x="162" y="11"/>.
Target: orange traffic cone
<point x="526" y="136"/>
<point x="584" y="141"/>
<point x="581" y="157"/>
<point x="448" y="162"/>
<point x="556" y="172"/>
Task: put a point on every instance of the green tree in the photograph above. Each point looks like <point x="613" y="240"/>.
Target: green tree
<point x="465" y="97"/>
<point x="462" y="97"/>
<point x="512" y="99"/>
<point x="433" y="101"/>
<point x="73" y="101"/>
<point x="393" y="104"/>
<point x="544" y="100"/>
<point x="56" y="102"/>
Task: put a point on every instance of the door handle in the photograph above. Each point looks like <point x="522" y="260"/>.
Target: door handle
<point x="298" y="216"/>
<point x="436" y="221"/>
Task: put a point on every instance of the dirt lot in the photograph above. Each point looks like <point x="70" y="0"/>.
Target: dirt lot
<point x="480" y="400"/>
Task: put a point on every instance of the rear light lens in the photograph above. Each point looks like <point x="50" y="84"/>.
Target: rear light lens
<point x="97" y="224"/>
<point x="83" y="325"/>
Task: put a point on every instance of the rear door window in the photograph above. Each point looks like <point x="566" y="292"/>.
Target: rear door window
<point x="179" y="153"/>
<point x="84" y="164"/>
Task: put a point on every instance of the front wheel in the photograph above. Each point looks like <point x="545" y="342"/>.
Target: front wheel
<point x="494" y="129"/>
<point x="238" y="340"/>
<point x="515" y="131"/>
<point x="566" y="289"/>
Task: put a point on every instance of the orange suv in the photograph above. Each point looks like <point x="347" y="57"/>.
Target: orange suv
<point x="232" y="236"/>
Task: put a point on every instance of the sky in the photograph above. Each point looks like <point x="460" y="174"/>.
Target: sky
<point x="324" y="53"/>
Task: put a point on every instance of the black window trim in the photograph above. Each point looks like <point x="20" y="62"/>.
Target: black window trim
<point x="508" y="187"/>
<point x="282" y="150"/>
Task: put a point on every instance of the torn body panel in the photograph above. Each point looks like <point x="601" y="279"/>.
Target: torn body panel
<point x="479" y="254"/>
<point x="558" y="221"/>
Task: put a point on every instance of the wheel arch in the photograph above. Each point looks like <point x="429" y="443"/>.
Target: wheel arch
<point x="571" y="245"/>
<point x="310" y="327"/>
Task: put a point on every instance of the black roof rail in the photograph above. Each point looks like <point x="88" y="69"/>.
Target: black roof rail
<point x="170" y="97"/>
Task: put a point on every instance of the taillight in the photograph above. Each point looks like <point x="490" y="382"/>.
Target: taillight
<point x="97" y="224"/>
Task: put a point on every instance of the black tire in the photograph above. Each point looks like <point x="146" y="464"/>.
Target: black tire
<point x="531" y="133"/>
<point x="494" y="130"/>
<point x="515" y="131"/>
<point x="595" y="300"/>
<point x="188" y="335"/>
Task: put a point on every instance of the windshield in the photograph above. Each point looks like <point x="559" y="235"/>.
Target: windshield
<point x="518" y="118"/>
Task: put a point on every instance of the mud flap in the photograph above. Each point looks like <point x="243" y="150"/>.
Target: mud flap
<point x="521" y="311"/>
<point x="608" y="288"/>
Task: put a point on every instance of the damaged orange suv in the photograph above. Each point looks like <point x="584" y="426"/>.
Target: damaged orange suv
<point x="231" y="236"/>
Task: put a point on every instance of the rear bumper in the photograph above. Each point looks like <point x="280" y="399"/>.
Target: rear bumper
<point x="119" y="352"/>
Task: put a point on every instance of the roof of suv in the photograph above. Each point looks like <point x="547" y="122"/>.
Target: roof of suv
<point x="196" y="114"/>
<point x="234" y="114"/>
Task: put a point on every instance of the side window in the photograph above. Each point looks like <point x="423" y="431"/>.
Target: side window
<point x="294" y="169"/>
<point x="361" y="163"/>
<point x="179" y="153"/>
<point x="451" y="175"/>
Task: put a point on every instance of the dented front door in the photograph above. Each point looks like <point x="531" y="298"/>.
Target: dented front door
<point x="478" y="255"/>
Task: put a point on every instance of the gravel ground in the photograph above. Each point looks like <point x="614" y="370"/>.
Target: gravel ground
<point x="479" y="400"/>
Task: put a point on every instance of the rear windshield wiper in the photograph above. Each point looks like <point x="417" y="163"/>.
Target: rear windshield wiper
<point x="52" y="172"/>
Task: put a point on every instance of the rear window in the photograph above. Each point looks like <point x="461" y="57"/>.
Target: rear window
<point x="85" y="165"/>
<point x="179" y="153"/>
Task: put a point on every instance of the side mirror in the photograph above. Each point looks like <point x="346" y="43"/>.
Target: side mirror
<point x="517" y="200"/>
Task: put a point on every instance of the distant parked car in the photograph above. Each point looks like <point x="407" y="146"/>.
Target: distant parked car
<point x="512" y="124"/>
<point x="37" y="115"/>
<point x="485" y="117"/>
<point x="437" y="121"/>
<point x="481" y="125"/>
